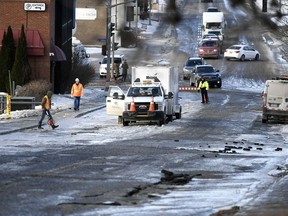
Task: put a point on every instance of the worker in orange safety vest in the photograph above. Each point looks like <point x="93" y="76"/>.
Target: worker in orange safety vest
<point x="77" y="91"/>
<point x="46" y="106"/>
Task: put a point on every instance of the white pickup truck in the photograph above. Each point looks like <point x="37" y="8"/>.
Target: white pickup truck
<point x="152" y="96"/>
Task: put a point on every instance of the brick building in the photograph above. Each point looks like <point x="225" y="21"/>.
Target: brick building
<point x="48" y="25"/>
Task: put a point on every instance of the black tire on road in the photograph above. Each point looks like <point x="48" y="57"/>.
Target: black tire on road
<point x="242" y="58"/>
<point x="169" y="118"/>
<point x="178" y="115"/>
<point x="264" y="119"/>
<point x="125" y="123"/>
<point x="257" y="57"/>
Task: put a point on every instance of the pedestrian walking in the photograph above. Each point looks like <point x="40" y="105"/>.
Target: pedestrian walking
<point x="46" y="106"/>
<point x="124" y="70"/>
<point x="77" y="91"/>
<point x="203" y="86"/>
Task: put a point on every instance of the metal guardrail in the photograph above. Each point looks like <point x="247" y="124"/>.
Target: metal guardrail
<point x="21" y="102"/>
<point x="16" y="103"/>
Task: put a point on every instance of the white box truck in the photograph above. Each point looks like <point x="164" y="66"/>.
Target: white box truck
<point x="213" y="21"/>
<point x="152" y="96"/>
<point x="275" y="101"/>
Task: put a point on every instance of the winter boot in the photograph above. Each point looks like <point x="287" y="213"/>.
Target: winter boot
<point x="54" y="126"/>
<point x="40" y="126"/>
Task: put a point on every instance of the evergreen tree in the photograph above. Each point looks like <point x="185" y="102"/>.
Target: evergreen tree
<point x="21" y="70"/>
<point x="7" y="56"/>
<point x="3" y="68"/>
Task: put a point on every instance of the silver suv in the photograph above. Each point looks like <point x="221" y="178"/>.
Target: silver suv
<point x="118" y="59"/>
<point x="190" y="66"/>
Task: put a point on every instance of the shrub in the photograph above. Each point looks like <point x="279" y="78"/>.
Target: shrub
<point x="82" y="70"/>
<point x="35" y="88"/>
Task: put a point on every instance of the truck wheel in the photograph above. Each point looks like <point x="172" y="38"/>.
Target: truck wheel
<point x="120" y="120"/>
<point x="178" y="115"/>
<point x="125" y="123"/>
<point x="264" y="119"/>
<point x="169" y="118"/>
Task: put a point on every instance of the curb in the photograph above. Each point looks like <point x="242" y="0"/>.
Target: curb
<point x="35" y="126"/>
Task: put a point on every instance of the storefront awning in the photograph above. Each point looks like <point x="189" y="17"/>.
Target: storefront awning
<point x="35" y="45"/>
<point x="57" y="54"/>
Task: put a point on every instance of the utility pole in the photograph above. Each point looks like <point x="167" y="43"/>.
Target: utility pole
<point x="110" y="34"/>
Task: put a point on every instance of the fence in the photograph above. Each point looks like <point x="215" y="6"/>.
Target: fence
<point x="15" y="103"/>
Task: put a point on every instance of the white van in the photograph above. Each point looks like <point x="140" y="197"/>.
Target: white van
<point x="118" y="59"/>
<point x="275" y="100"/>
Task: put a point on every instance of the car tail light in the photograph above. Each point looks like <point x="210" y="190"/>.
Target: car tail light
<point x="237" y="51"/>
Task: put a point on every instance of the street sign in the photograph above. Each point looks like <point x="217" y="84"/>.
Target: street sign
<point x="101" y="39"/>
<point x="34" y="6"/>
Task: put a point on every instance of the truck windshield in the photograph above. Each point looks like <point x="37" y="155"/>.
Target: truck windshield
<point x="213" y="25"/>
<point x="144" y="91"/>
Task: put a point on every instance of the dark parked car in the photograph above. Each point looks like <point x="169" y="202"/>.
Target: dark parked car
<point x="209" y="73"/>
<point x="190" y="66"/>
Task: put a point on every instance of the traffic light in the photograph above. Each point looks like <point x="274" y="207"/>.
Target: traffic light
<point x="104" y="50"/>
<point x="115" y="46"/>
<point x="111" y="26"/>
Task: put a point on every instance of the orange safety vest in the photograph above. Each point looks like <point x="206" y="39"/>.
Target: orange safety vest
<point x="47" y="105"/>
<point x="77" y="90"/>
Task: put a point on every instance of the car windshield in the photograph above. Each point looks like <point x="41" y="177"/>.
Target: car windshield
<point x="193" y="62"/>
<point x="209" y="44"/>
<point x="144" y="91"/>
<point x="211" y="9"/>
<point x="205" y="70"/>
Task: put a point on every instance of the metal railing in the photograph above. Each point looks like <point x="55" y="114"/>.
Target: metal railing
<point x="6" y="103"/>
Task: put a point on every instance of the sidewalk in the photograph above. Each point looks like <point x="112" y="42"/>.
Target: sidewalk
<point x="12" y="125"/>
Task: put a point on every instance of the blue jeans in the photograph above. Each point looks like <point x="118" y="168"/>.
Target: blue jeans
<point x="43" y="115"/>
<point x="76" y="103"/>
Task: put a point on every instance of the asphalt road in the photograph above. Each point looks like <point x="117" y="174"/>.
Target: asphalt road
<point x="216" y="160"/>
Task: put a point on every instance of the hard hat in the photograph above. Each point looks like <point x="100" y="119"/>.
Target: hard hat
<point x="77" y="80"/>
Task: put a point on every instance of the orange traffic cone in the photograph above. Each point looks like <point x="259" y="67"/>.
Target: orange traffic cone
<point x="152" y="107"/>
<point x="132" y="105"/>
